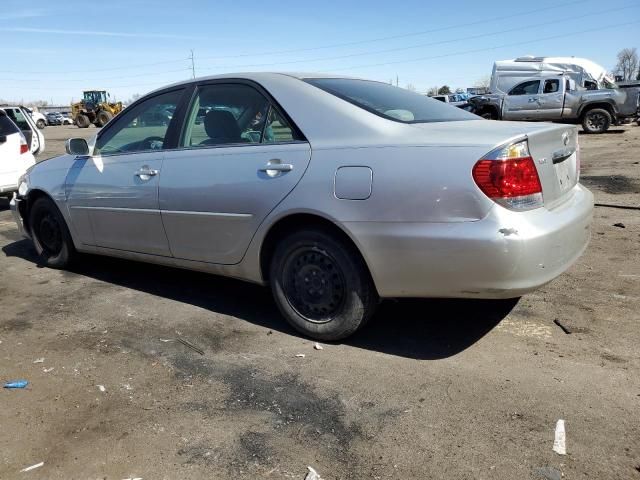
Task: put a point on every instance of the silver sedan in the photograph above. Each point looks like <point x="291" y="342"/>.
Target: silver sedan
<point x="335" y="191"/>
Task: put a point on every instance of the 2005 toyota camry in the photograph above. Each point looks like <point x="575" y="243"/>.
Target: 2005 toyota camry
<point x="335" y="191"/>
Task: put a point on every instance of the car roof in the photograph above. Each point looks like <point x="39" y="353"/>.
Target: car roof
<point x="256" y="77"/>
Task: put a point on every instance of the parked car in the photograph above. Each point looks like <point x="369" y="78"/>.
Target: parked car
<point x="15" y="156"/>
<point x="459" y="100"/>
<point x="404" y="196"/>
<point x="25" y="123"/>
<point x="55" y="118"/>
<point x="40" y="119"/>
<point x="67" y="119"/>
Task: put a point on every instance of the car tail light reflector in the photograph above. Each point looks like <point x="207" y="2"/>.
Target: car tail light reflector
<point x="24" y="146"/>
<point x="508" y="176"/>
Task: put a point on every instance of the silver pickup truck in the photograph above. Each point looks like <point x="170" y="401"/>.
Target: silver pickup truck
<point x="556" y="98"/>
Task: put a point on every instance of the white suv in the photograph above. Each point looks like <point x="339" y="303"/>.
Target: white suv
<point x="15" y="155"/>
<point x="22" y="119"/>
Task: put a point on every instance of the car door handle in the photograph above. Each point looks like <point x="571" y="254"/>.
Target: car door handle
<point x="531" y="100"/>
<point x="277" y="167"/>
<point x="146" y="172"/>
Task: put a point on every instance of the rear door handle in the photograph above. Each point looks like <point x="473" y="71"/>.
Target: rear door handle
<point x="146" y="172"/>
<point x="275" y="167"/>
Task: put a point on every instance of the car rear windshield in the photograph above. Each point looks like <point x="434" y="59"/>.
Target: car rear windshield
<point x="391" y="102"/>
<point x="7" y="127"/>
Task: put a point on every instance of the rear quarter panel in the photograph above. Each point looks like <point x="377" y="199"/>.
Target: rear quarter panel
<point x="409" y="184"/>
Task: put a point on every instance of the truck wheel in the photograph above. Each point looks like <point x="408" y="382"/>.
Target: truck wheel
<point x="103" y="118"/>
<point x="82" y="121"/>
<point x="596" y="120"/>
<point x="321" y="285"/>
<point x="489" y="115"/>
<point x="41" y="124"/>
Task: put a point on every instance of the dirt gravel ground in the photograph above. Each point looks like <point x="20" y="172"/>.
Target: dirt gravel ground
<point x="431" y="389"/>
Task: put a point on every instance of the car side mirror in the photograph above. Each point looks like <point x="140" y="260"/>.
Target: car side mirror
<point x="77" y="146"/>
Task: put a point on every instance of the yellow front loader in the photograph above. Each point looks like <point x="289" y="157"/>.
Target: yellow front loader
<point x="94" y="108"/>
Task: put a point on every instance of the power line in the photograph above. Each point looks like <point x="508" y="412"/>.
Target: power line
<point x="139" y="65"/>
<point x="440" y="42"/>
<point x="321" y="47"/>
<point x="465" y="52"/>
<point x="433" y="57"/>
<point x="404" y="35"/>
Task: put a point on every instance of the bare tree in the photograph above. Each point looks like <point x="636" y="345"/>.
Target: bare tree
<point x="411" y="87"/>
<point x="627" y="63"/>
<point x="133" y="98"/>
<point x="483" y="82"/>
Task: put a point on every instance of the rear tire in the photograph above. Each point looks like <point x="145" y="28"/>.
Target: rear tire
<point x="596" y="120"/>
<point x="41" y="124"/>
<point x="51" y="237"/>
<point x="321" y="285"/>
<point x="103" y="118"/>
<point x="82" y="121"/>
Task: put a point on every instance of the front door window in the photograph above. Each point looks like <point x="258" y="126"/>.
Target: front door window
<point x="141" y="128"/>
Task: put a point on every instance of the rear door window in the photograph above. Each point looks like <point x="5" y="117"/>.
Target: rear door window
<point x="551" y="86"/>
<point x="18" y="118"/>
<point x="234" y="114"/>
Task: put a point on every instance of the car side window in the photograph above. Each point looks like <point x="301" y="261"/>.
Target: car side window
<point x="225" y="114"/>
<point x="277" y="129"/>
<point x="7" y="127"/>
<point x="140" y="128"/>
<point x="551" y="86"/>
<point x="526" y="88"/>
<point x="18" y="118"/>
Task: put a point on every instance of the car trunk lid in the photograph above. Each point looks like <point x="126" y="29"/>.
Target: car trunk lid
<point x="555" y="152"/>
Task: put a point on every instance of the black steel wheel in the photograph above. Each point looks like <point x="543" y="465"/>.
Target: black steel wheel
<point x="321" y="284"/>
<point x="315" y="284"/>
<point x="51" y="237"/>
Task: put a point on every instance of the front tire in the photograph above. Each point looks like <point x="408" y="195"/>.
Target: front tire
<point x="596" y="120"/>
<point x="51" y="237"/>
<point x="321" y="285"/>
<point x="489" y="114"/>
<point x="41" y="124"/>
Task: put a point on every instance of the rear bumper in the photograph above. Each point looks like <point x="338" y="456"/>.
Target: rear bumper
<point x="504" y="255"/>
<point x="14" y="205"/>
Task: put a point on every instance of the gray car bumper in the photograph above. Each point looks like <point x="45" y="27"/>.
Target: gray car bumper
<point x="504" y="255"/>
<point x="14" y="205"/>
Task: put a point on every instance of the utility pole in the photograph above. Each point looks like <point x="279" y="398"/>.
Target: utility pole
<point x="193" y="65"/>
<point x="396" y="80"/>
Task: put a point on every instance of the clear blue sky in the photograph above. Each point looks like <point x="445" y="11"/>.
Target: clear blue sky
<point x="54" y="50"/>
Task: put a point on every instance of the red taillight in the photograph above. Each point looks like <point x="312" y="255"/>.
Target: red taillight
<point x="508" y="175"/>
<point x="24" y="146"/>
<point x="515" y="177"/>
